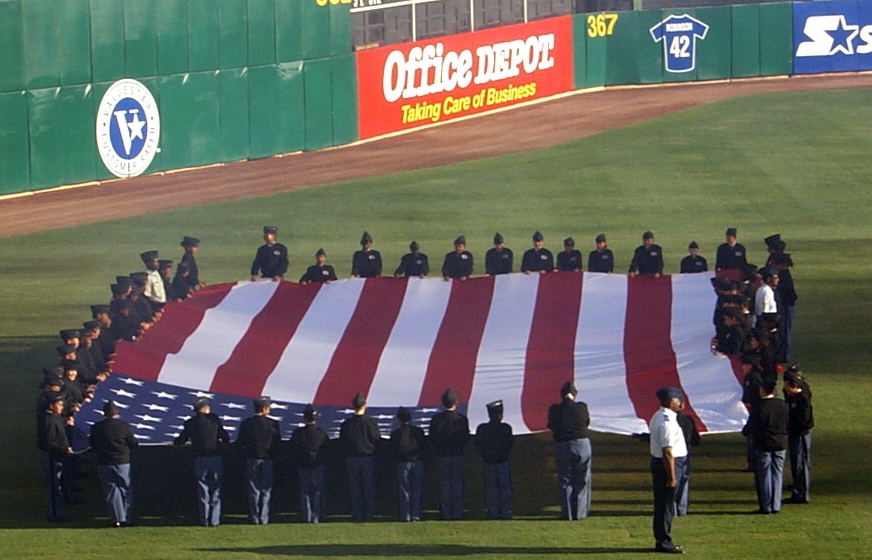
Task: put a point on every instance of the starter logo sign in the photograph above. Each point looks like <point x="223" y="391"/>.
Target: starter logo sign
<point x="832" y="37"/>
<point x="415" y="84"/>
<point x="679" y="35"/>
<point x="128" y="128"/>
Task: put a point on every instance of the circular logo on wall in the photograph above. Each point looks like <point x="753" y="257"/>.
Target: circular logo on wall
<point x="128" y="128"/>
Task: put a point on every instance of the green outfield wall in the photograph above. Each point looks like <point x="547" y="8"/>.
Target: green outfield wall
<point x="233" y="79"/>
<point x="242" y="79"/>
<point x="723" y="42"/>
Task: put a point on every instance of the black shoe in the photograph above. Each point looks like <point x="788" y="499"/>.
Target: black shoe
<point x="671" y="550"/>
<point x="795" y="501"/>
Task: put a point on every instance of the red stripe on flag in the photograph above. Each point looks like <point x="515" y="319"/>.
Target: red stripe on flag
<point x="736" y="366"/>
<point x="551" y="347"/>
<point x="452" y="361"/>
<point x="355" y="361"/>
<point x="648" y="354"/>
<point x="144" y="359"/>
<point x="249" y="366"/>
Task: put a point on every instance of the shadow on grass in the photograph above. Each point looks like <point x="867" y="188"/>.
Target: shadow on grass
<point x="413" y="550"/>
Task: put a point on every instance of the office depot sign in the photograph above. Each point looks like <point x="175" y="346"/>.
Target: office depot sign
<point x="416" y="84"/>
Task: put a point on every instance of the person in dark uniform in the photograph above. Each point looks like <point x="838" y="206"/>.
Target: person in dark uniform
<point x="648" y="258"/>
<point x="693" y="262"/>
<point x="367" y="262"/>
<point x="142" y="307"/>
<point x="165" y="268"/>
<point x="54" y="449"/>
<point x="449" y="435"/>
<point x="208" y="439"/>
<point x="123" y="326"/>
<point x="800" y="423"/>
<point x="731" y="338"/>
<point x="458" y="263"/>
<point x="498" y="260"/>
<point x="271" y="259"/>
<point x="691" y="439"/>
<point x="538" y="259"/>
<point x="494" y="440"/>
<point x="751" y="381"/>
<point x="409" y="443"/>
<point x="307" y="449"/>
<point x="112" y="441"/>
<point x="320" y="272"/>
<point x="787" y="296"/>
<point x="181" y="286"/>
<point x="602" y="259"/>
<point x="731" y="255"/>
<point x="776" y="246"/>
<point x="413" y="263"/>
<point x="569" y="259"/>
<point x="668" y="457"/>
<point x="568" y="421"/>
<point x="101" y="313"/>
<point x="359" y="435"/>
<point x="769" y="425"/>
<point x="191" y="245"/>
<point x="259" y="438"/>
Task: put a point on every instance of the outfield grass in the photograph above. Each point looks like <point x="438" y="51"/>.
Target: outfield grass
<point x="790" y="163"/>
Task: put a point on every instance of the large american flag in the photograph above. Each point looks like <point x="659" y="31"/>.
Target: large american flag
<point x="515" y="337"/>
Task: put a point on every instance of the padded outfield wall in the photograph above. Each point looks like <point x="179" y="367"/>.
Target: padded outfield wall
<point x="91" y="89"/>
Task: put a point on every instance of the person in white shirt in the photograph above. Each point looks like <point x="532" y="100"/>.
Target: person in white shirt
<point x="764" y="299"/>
<point x="668" y="459"/>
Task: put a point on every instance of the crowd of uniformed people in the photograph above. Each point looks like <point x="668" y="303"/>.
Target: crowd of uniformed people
<point x="752" y="319"/>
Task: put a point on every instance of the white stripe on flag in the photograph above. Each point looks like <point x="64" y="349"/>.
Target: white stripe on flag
<point x="219" y="332"/>
<point x="708" y="380"/>
<point x="403" y="364"/>
<point x="600" y="373"/>
<point x="307" y="356"/>
<point x="502" y="355"/>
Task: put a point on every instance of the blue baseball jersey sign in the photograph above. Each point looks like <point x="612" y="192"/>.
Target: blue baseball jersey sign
<point x="679" y="35"/>
<point x="832" y="37"/>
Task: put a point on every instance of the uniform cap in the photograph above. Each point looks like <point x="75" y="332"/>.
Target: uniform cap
<point x="403" y="414"/>
<point x="261" y="402"/>
<point x="772" y="240"/>
<point x="200" y="404"/>
<point x="569" y="242"/>
<point x="648" y="235"/>
<point x="538" y="236"/>
<point x="731" y="232"/>
<point x="164" y="263"/>
<point x="783" y="259"/>
<point x="365" y="238"/>
<point x="461" y="240"/>
<point x="309" y="413"/>
<point x="768" y="271"/>
<point x="65" y="349"/>
<point x="669" y="393"/>
<point x="733" y="312"/>
<point x="270" y="229"/>
<point x="795" y="367"/>
<point x="568" y="388"/>
<point x="498" y="239"/>
<point x="693" y="245"/>
<point x="53" y="378"/>
<point x="67" y="334"/>
<point x="123" y="280"/>
<point x="601" y="238"/>
<point x="92" y="325"/>
<point x="791" y="376"/>
<point x="449" y="398"/>
<point x="494" y="408"/>
<point x="139" y="277"/>
<point x="413" y="246"/>
<point x="52" y="397"/>
<point x="190" y="242"/>
<point x="358" y="401"/>
<point x="98" y="309"/>
<point x="69" y="364"/>
<point x="320" y="252"/>
<point x="149" y="256"/>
